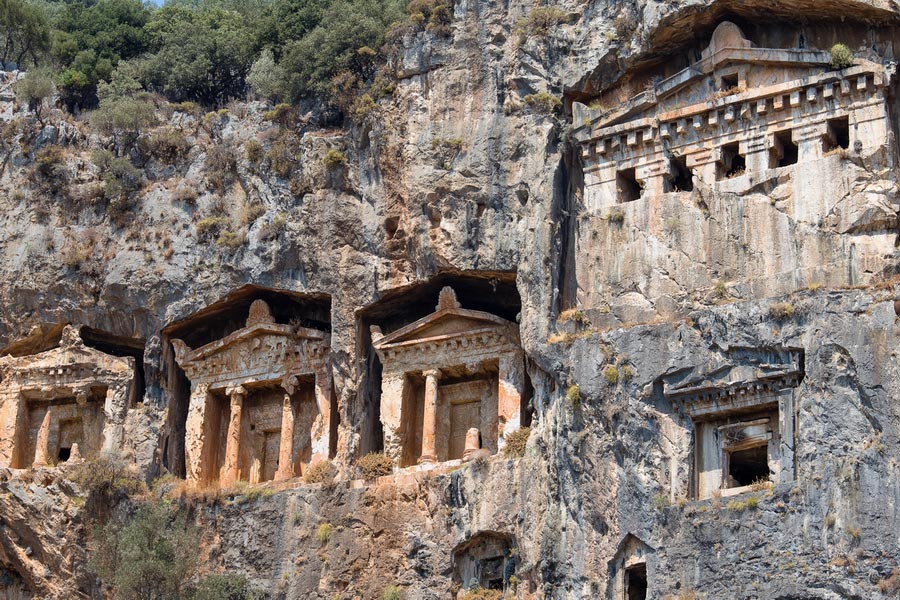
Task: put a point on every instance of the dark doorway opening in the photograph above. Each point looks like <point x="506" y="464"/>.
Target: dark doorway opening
<point x="785" y="151"/>
<point x="636" y="582"/>
<point x="628" y="187"/>
<point x="64" y="454"/>
<point x="838" y="134"/>
<point x="732" y="162"/>
<point x="680" y="177"/>
<point x="748" y="466"/>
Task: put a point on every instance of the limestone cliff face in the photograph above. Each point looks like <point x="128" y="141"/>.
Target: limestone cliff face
<point x="458" y="175"/>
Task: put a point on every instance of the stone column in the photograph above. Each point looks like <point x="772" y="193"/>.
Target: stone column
<point x="231" y="468"/>
<point x="393" y="393"/>
<point x="197" y="445"/>
<point x="286" y="445"/>
<point x="114" y="411"/>
<point x="321" y="427"/>
<point x="429" y="423"/>
<point x="13" y="427"/>
<point x="42" y="443"/>
<point x="509" y="401"/>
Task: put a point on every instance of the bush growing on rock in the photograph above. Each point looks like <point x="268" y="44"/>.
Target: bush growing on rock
<point x="151" y="553"/>
<point x="35" y="88"/>
<point x="541" y="21"/>
<point x="841" y="56"/>
<point x="323" y="533"/>
<point x="392" y="592"/>
<point x="50" y="168"/>
<point x="543" y="101"/>
<point x="374" y="465"/>
<point x="516" y="443"/>
<point x="320" y="472"/>
<point x="573" y="395"/>
<point x="105" y="481"/>
<point x="782" y="310"/>
<point x="225" y="586"/>
<point x="334" y="158"/>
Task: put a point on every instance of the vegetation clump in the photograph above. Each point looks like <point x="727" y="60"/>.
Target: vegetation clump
<point x="516" y="443"/>
<point x="334" y="158"/>
<point x="611" y="374"/>
<point x="320" y="472"/>
<point x="392" y="592"/>
<point x="541" y="21"/>
<point x="782" y="310"/>
<point x="323" y="533"/>
<point x="573" y="395"/>
<point x="375" y="465"/>
<point x="544" y="102"/>
<point x="841" y="56"/>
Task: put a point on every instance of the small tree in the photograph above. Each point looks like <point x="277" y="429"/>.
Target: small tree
<point x="34" y="89"/>
<point x="266" y="78"/>
<point x="150" y="555"/>
<point x="841" y="56"/>
<point x="124" y="108"/>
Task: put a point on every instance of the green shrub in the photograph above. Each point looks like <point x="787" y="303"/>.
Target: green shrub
<point x="50" y="168"/>
<point x="106" y="480"/>
<point x="611" y="374"/>
<point x="221" y="167"/>
<point x="573" y="395"/>
<point x="210" y="227"/>
<point x="392" y="592"/>
<point x="320" y="472"/>
<point x="750" y="503"/>
<point x="283" y="114"/>
<point x="151" y="553"/>
<point x="323" y="533"/>
<point x="169" y="145"/>
<point x="782" y="310"/>
<point x="334" y="158"/>
<point x="254" y="151"/>
<point x="374" y="465"/>
<point x="225" y="586"/>
<point x="230" y="240"/>
<point x="841" y="56"/>
<point x="516" y="443"/>
<point x="34" y="89"/>
<point x="544" y="102"/>
<point x="283" y="156"/>
<point x="626" y="372"/>
<point x="434" y="16"/>
<point x="541" y="21"/>
<point x="120" y="177"/>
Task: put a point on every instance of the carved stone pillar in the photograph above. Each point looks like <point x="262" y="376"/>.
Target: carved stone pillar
<point x="42" y="443"/>
<point x="509" y="401"/>
<point x="231" y="468"/>
<point x="286" y="445"/>
<point x="198" y="447"/>
<point x="114" y="410"/>
<point x="393" y="393"/>
<point x="429" y="424"/>
<point x="321" y="427"/>
<point x="13" y="428"/>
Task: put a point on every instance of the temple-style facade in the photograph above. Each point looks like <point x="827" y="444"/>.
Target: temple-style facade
<point x="260" y="406"/>
<point x="744" y="409"/>
<point x="738" y="110"/>
<point x="451" y="372"/>
<point x="62" y="404"/>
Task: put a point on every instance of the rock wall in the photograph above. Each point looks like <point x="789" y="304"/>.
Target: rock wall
<point x="458" y="174"/>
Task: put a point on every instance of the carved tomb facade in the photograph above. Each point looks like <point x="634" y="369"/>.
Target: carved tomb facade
<point x="63" y="403"/>
<point x="260" y="405"/>
<point x="445" y="374"/>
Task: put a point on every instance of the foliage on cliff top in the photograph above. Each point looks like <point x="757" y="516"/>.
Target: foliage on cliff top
<point x="516" y="443"/>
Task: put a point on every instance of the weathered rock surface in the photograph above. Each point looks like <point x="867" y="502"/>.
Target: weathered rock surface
<point x="457" y="174"/>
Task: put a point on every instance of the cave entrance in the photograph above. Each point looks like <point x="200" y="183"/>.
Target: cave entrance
<point x="485" y="561"/>
<point x="218" y="320"/>
<point x="636" y="582"/>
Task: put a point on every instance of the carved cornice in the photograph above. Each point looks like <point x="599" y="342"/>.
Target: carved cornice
<point x="262" y="352"/>
<point x="71" y="365"/>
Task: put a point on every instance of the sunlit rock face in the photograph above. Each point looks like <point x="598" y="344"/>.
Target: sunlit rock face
<point x="680" y="276"/>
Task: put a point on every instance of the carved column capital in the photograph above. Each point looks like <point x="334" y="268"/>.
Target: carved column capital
<point x="435" y="373"/>
<point x="236" y="393"/>
<point x="289" y="384"/>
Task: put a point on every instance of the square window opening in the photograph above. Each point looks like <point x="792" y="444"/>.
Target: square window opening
<point x="629" y="188"/>
<point x="680" y="178"/>
<point x="636" y="582"/>
<point x="746" y="467"/>
<point x="729" y="82"/>
<point x="732" y="162"/>
<point x="838" y="134"/>
<point x="785" y="152"/>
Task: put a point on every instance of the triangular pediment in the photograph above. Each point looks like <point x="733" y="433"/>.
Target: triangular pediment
<point x="444" y="323"/>
<point x="71" y="355"/>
